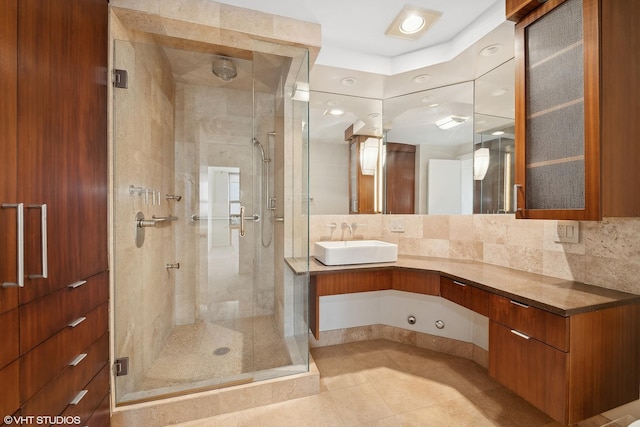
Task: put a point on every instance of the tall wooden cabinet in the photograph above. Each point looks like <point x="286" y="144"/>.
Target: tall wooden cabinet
<point x="53" y="219"/>
<point x="577" y="63"/>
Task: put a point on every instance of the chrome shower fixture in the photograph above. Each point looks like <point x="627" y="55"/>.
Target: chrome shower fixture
<point x="224" y="68"/>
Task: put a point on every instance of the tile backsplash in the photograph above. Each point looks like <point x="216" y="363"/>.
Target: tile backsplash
<point x="607" y="254"/>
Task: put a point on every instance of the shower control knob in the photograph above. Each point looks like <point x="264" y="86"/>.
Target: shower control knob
<point x="411" y="320"/>
<point x="439" y="324"/>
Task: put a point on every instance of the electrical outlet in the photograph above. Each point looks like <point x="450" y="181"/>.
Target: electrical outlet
<point x="397" y="226"/>
<point x="567" y="232"/>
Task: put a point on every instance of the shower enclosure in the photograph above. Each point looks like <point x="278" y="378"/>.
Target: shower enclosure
<point x="210" y="196"/>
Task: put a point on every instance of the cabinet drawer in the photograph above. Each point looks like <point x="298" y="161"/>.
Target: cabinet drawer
<point x="547" y="327"/>
<point x="359" y="281"/>
<point x="44" y="317"/>
<point x="9" y="350"/>
<point x="535" y="371"/>
<point x="53" y="398"/>
<point x="419" y="282"/>
<point x="467" y="296"/>
<point x="97" y="391"/>
<point x="43" y="363"/>
<point x="10" y="383"/>
<point x="101" y="417"/>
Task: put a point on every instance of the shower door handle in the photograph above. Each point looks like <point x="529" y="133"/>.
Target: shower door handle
<point x="254" y="218"/>
<point x="241" y="221"/>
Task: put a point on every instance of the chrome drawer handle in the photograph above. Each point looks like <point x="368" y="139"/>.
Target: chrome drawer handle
<point x="45" y="257"/>
<point x="519" y="304"/>
<point x="77" y="322"/>
<point x="78" y="397"/>
<point x="455" y="282"/>
<point x="76" y="360"/>
<point x="76" y="284"/>
<point x="20" y="243"/>
<point x="520" y="334"/>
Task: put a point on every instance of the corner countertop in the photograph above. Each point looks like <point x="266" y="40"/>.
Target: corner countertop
<point x="559" y="296"/>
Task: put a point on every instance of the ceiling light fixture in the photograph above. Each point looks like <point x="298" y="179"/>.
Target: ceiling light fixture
<point x="497" y="133"/>
<point x="421" y="78"/>
<point x="491" y="49"/>
<point x="451" y="121"/>
<point x="498" y="92"/>
<point x="334" y="112"/>
<point x="412" y="22"/>
<point x="349" y="81"/>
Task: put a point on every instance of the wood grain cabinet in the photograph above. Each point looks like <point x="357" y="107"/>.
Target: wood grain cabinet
<point x="518" y="9"/>
<point x="457" y="291"/>
<point x="53" y="197"/>
<point x="577" y="64"/>
<point x="571" y="367"/>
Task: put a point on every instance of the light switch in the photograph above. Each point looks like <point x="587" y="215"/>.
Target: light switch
<point x="567" y="232"/>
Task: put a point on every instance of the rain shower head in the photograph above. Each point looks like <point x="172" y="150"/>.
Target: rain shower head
<point x="224" y="68"/>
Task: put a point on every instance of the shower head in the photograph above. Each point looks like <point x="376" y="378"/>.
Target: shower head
<point x="264" y="158"/>
<point x="224" y="68"/>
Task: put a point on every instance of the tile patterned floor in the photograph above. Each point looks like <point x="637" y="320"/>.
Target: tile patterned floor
<point x="380" y="383"/>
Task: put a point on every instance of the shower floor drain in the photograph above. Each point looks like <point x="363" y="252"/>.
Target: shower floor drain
<point x="221" y="351"/>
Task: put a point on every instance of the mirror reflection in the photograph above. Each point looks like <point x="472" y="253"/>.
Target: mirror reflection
<point x="494" y="141"/>
<point x="446" y="150"/>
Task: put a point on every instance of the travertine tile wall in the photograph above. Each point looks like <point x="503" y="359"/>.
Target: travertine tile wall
<point x="607" y="255"/>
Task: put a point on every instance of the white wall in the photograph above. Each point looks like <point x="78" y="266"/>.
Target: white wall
<point x="392" y="308"/>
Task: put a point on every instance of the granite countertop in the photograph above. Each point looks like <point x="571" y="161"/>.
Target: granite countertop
<point x="559" y="296"/>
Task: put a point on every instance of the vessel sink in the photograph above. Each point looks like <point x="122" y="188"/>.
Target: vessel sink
<point x="355" y="252"/>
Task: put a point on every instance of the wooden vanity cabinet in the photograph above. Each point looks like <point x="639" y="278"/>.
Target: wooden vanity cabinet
<point x="577" y="64"/>
<point x="473" y="298"/>
<point x="570" y="367"/>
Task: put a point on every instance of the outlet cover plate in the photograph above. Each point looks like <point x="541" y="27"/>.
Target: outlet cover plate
<point x="567" y="232"/>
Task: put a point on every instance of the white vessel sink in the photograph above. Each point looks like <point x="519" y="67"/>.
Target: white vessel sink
<point x="355" y="252"/>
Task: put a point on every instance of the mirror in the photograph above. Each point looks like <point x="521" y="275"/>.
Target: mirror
<point x="439" y="123"/>
<point x="494" y="141"/>
<point x="445" y="181"/>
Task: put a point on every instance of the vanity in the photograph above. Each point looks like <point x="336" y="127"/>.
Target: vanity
<point x="568" y="348"/>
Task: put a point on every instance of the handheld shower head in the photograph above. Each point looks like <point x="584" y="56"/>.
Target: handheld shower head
<point x="264" y="155"/>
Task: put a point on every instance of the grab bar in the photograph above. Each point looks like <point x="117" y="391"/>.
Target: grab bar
<point x="254" y="217"/>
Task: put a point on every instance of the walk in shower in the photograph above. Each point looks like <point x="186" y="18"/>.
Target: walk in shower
<point x="210" y="195"/>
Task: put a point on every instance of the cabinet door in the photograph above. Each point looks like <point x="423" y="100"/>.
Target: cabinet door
<point x="400" y="168"/>
<point x="62" y="139"/>
<point x="533" y="370"/>
<point x="9" y="271"/>
<point x="557" y="117"/>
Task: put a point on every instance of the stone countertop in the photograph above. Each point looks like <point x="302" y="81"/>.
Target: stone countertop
<point x="559" y="296"/>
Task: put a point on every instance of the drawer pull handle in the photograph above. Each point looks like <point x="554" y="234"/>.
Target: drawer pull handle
<point x="520" y="334"/>
<point x="78" y="397"/>
<point x="79" y="358"/>
<point x="519" y="304"/>
<point x="77" y="322"/>
<point x="455" y="282"/>
<point x="76" y="284"/>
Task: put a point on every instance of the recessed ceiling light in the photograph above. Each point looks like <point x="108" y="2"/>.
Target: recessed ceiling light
<point x="374" y="115"/>
<point x="498" y="92"/>
<point x="491" y="50"/>
<point x="421" y="78"/>
<point x="428" y="99"/>
<point x="497" y="133"/>
<point x="331" y="103"/>
<point x="349" y="81"/>
<point x="412" y="22"/>
<point x="433" y="105"/>
<point x="451" y="121"/>
<point x="334" y="112"/>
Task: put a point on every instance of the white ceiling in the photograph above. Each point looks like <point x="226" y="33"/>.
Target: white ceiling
<point x="353" y="31"/>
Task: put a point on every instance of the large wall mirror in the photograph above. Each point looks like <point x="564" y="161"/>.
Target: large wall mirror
<point x="447" y="149"/>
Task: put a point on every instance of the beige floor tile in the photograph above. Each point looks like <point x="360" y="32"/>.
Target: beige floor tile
<point x="360" y="404"/>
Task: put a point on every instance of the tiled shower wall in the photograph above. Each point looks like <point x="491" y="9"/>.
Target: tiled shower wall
<point x="607" y="255"/>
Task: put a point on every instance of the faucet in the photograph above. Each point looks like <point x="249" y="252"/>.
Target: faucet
<point x="345" y="226"/>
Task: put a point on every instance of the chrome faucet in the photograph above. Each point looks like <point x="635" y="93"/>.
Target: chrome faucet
<point x="345" y="226"/>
